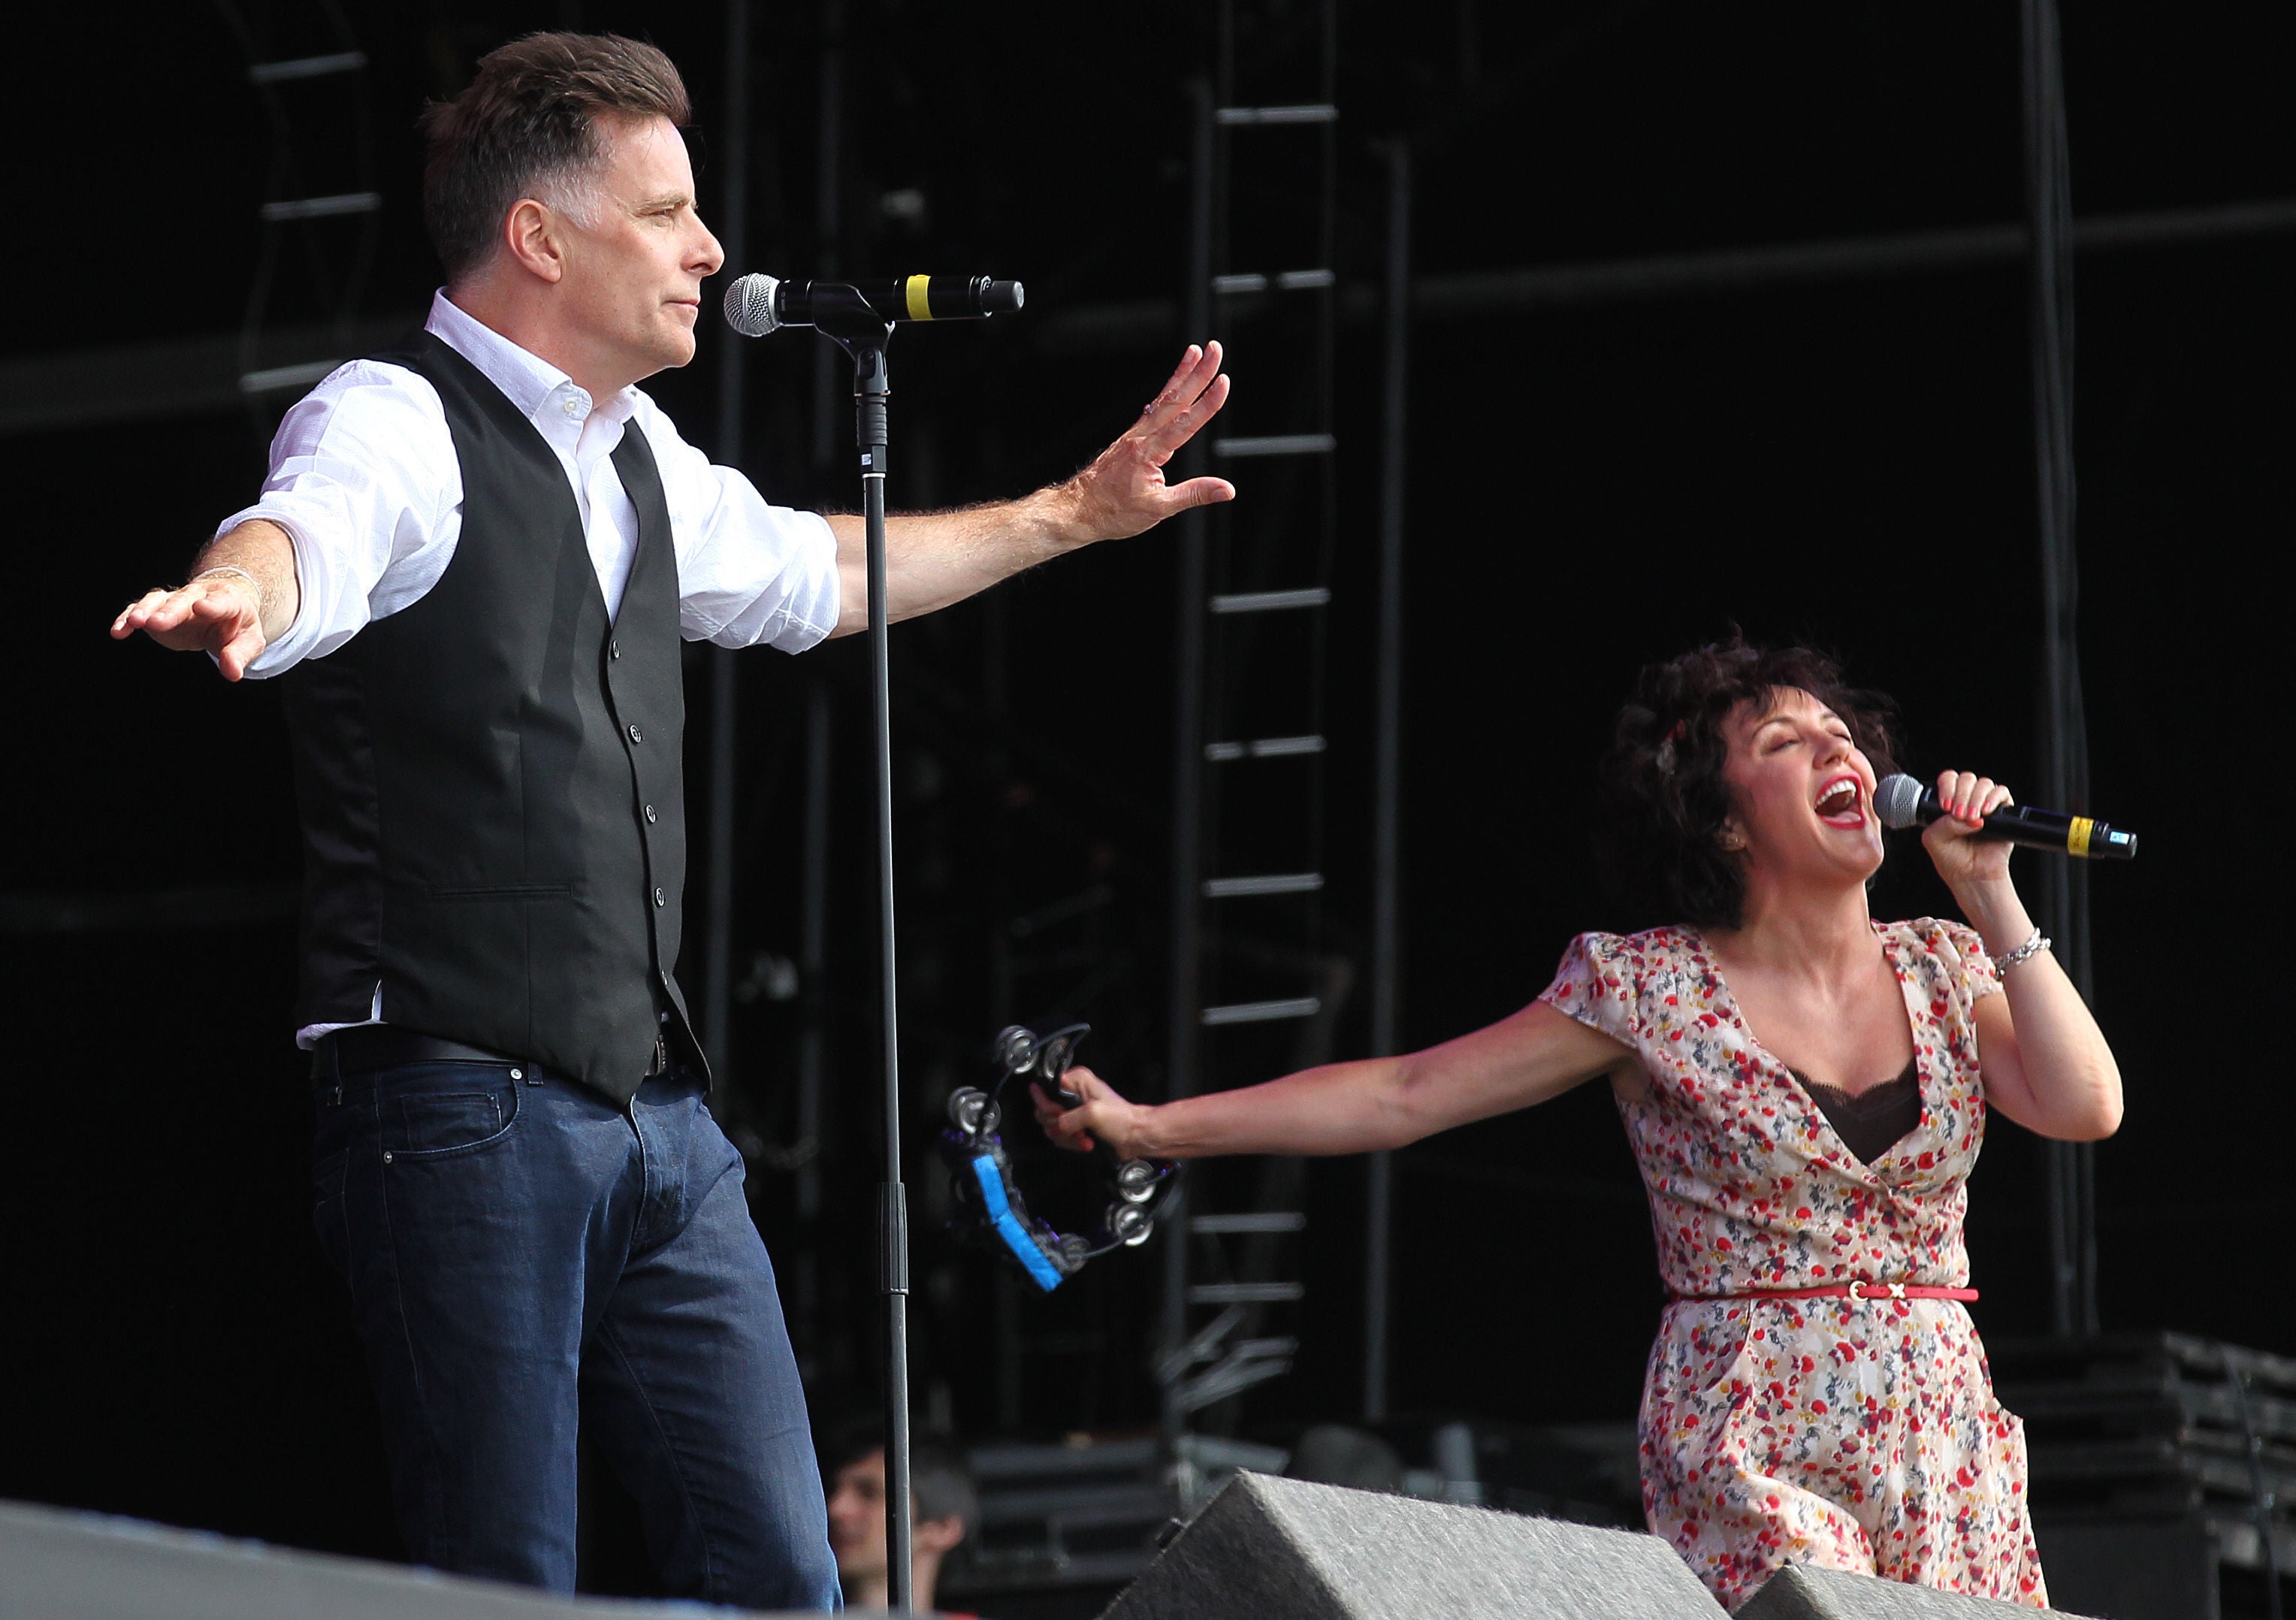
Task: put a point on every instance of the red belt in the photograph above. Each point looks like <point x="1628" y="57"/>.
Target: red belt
<point x="1839" y="1290"/>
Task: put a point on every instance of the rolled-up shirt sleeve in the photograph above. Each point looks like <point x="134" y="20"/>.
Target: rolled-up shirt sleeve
<point x="356" y="482"/>
<point x="749" y="573"/>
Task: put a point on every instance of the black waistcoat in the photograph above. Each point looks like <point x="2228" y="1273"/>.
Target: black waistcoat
<point x="493" y="815"/>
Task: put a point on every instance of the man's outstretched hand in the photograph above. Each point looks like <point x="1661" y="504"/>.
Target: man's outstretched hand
<point x="1123" y="491"/>
<point x="242" y="599"/>
<point x="935" y="558"/>
<point x="222" y="615"/>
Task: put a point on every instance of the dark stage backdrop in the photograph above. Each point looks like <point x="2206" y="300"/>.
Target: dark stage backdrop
<point x="1850" y="462"/>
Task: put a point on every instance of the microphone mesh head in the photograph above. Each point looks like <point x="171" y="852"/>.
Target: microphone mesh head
<point x="1898" y="800"/>
<point x="750" y="305"/>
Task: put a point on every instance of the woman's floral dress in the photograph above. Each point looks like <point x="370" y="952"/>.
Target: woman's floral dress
<point x="1854" y="1434"/>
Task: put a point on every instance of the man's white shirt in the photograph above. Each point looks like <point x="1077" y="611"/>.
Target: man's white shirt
<point x="364" y="480"/>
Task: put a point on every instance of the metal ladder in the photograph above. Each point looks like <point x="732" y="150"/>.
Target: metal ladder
<point x="1255" y="986"/>
<point x="322" y="214"/>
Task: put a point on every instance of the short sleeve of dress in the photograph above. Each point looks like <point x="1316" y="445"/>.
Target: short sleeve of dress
<point x="1593" y="986"/>
<point x="1961" y="943"/>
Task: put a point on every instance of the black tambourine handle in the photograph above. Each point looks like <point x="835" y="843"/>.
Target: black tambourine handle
<point x="1054" y="1059"/>
<point x="1056" y="1054"/>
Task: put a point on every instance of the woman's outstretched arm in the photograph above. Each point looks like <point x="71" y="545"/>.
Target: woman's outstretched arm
<point x="2046" y="1065"/>
<point x="1348" y="1108"/>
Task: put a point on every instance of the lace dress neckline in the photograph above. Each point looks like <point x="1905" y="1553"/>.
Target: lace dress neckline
<point x="1872" y="1122"/>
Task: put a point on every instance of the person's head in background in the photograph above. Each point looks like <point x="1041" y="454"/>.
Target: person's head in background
<point x="943" y="1506"/>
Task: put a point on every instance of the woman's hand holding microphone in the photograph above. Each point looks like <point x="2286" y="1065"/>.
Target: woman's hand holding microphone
<point x="1961" y="856"/>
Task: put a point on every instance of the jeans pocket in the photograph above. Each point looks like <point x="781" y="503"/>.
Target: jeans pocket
<point x="448" y="1110"/>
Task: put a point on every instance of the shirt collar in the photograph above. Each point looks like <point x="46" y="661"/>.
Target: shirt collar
<point x="539" y="390"/>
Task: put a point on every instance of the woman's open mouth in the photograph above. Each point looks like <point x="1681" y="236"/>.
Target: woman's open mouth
<point x="1843" y="803"/>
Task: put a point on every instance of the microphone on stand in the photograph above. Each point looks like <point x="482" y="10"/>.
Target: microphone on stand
<point x="1901" y="801"/>
<point x="756" y="304"/>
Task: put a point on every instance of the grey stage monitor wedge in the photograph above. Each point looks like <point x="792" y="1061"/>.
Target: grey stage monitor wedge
<point x="58" y="1565"/>
<point x="1270" y="1549"/>
<point x="1804" y="1593"/>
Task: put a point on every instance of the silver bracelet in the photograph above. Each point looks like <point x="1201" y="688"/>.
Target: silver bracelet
<point x="2033" y="947"/>
<point x="226" y="568"/>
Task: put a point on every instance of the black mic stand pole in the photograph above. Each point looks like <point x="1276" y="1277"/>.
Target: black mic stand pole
<point x="863" y="333"/>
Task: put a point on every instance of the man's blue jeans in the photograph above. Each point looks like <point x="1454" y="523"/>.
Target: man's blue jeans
<point x="527" y="1262"/>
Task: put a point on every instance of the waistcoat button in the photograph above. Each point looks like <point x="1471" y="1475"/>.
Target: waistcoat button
<point x="613" y="649"/>
<point x="659" y="898"/>
<point x="650" y="816"/>
<point x="635" y="734"/>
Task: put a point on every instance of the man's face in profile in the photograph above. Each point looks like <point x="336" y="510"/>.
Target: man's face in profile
<point x="636" y="264"/>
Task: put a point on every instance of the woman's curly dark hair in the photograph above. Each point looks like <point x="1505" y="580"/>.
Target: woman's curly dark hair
<point x="1664" y="798"/>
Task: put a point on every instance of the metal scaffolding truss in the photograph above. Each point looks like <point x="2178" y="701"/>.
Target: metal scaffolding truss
<point x="322" y="214"/>
<point x="1256" y="986"/>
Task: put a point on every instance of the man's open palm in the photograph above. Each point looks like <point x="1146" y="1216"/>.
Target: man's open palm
<point x="1123" y="491"/>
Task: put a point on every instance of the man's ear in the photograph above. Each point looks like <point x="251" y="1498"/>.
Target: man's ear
<point x="532" y="237"/>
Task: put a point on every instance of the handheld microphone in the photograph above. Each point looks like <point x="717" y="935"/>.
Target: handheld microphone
<point x="1902" y="802"/>
<point x="756" y="304"/>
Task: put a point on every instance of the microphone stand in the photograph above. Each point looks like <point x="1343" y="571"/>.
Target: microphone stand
<point x="863" y="333"/>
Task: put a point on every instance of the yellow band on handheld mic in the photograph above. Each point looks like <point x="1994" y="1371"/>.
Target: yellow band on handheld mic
<point x="919" y="309"/>
<point x="2076" y="835"/>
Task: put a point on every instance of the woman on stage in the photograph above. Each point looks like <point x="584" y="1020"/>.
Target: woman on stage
<point x="1806" y="1091"/>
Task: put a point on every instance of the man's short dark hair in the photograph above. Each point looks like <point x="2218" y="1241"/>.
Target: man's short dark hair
<point x="938" y="1476"/>
<point x="530" y="120"/>
<point x="1664" y="798"/>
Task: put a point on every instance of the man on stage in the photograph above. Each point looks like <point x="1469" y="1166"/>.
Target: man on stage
<point x="472" y="562"/>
